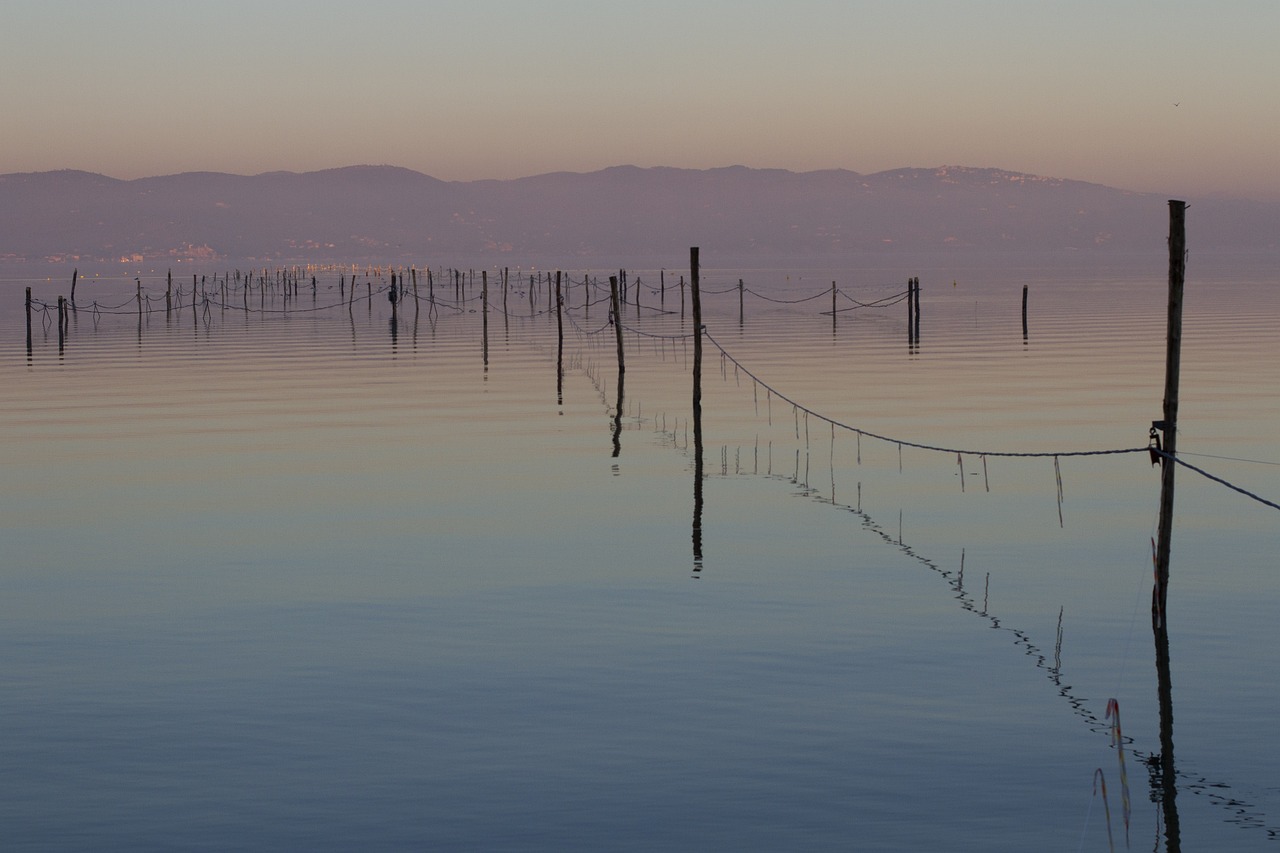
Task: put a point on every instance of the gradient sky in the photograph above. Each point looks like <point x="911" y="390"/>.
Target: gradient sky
<point x="477" y="89"/>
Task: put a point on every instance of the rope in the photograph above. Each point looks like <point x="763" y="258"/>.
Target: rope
<point x="776" y="301"/>
<point x="1219" y="480"/>
<point x="902" y="442"/>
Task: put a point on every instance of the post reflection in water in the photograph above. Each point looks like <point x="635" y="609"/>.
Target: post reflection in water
<point x="617" y="415"/>
<point x="1164" y="779"/>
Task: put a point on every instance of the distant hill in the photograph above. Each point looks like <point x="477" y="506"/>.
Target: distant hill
<point x="615" y="215"/>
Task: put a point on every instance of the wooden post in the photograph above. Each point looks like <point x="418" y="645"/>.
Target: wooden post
<point x="696" y="301"/>
<point x="75" y="274"/>
<point x="741" y="314"/>
<point x="1169" y="426"/>
<point x="559" y="341"/>
<point x="916" y="284"/>
<point x="28" y="322"/>
<point x="833" y="307"/>
<point x="138" y="281"/>
<point x="1024" y="313"/>
<point x="662" y="289"/>
<point x="616" y="319"/>
<point x="911" y="314"/>
<point x="484" y="312"/>
<point x="1159" y="595"/>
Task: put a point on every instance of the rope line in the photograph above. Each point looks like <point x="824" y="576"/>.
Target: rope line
<point x="904" y="443"/>
<point x="1219" y="480"/>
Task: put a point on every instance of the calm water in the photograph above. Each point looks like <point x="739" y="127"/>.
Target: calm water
<point x="299" y="578"/>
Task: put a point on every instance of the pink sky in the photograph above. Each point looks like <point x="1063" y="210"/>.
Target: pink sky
<point x="1177" y="98"/>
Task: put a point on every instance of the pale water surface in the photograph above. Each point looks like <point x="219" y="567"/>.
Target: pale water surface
<point x="297" y="578"/>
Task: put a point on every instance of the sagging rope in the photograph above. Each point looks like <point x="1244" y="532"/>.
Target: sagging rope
<point x="904" y="443"/>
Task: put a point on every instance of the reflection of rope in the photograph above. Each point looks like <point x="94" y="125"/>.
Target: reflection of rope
<point x="1219" y="480"/>
<point x="902" y="443"/>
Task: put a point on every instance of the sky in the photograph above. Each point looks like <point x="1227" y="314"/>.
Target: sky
<point x="1173" y="97"/>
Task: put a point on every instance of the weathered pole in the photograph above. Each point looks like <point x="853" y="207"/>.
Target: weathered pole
<point x="741" y="315"/>
<point x="696" y="302"/>
<point x="559" y="339"/>
<point x="75" y="274"/>
<point x="1024" y="313"/>
<point x="28" y="322"/>
<point x="916" y="284"/>
<point x="1172" y="369"/>
<point x="911" y="314"/>
<point x="1159" y="595"/>
<point x="484" y="312"/>
<point x="616" y="319"/>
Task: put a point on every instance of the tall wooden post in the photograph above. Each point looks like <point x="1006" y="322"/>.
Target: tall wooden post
<point x="484" y="313"/>
<point x="1169" y="426"/>
<point x="28" y="322"/>
<point x="740" y="311"/>
<point x="916" y="286"/>
<point x="1159" y="595"/>
<point x="911" y="314"/>
<point x="616" y="319"/>
<point x="75" y="274"/>
<point x="698" y="406"/>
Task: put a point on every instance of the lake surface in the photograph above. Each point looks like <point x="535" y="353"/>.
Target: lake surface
<point x="291" y="574"/>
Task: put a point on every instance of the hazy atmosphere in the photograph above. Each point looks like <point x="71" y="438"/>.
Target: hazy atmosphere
<point x="584" y="426"/>
<point x="1174" y="98"/>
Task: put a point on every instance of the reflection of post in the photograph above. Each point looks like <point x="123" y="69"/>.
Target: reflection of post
<point x="1159" y="595"/>
<point x="617" y="414"/>
<point x="1167" y="790"/>
<point x="696" y="303"/>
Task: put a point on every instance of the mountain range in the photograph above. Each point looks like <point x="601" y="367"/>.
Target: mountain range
<point x="623" y="214"/>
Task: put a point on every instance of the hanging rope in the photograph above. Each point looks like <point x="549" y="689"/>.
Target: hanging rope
<point x="904" y="443"/>
<point x="1219" y="480"/>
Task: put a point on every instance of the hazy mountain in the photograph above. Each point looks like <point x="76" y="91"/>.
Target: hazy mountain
<point x="614" y="215"/>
